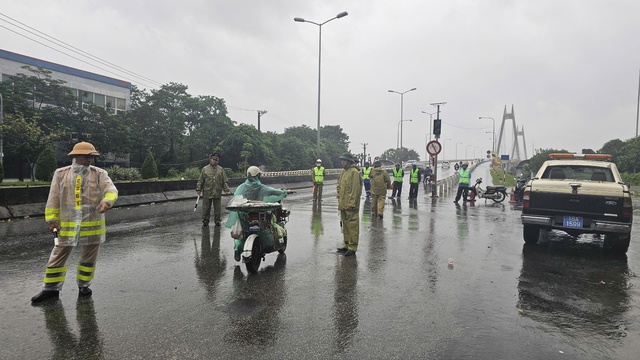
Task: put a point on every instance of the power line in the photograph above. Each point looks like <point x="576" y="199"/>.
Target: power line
<point x="73" y="49"/>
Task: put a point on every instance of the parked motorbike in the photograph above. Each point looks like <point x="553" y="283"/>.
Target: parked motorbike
<point x="259" y="230"/>
<point x="495" y="193"/>
<point x="518" y="192"/>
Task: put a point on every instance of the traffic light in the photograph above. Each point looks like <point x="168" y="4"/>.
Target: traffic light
<point x="437" y="127"/>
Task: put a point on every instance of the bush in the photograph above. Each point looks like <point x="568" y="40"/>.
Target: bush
<point x="46" y="165"/>
<point x="149" y="167"/>
<point x="173" y="173"/>
<point x="191" y="173"/>
<point x="117" y="173"/>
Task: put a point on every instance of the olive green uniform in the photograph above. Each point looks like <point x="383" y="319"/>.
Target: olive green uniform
<point x="349" y="191"/>
<point x="212" y="181"/>
<point x="380" y="182"/>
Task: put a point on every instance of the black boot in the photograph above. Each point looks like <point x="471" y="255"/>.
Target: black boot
<point x="84" y="292"/>
<point x="45" y="295"/>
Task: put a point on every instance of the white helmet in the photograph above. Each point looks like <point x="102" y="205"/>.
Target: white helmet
<point x="253" y="171"/>
<point x="318" y="161"/>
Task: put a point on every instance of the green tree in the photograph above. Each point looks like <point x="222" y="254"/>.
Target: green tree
<point x="399" y="155"/>
<point x="542" y="155"/>
<point x="46" y="165"/>
<point x="613" y="148"/>
<point x="149" y="167"/>
<point x="628" y="159"/>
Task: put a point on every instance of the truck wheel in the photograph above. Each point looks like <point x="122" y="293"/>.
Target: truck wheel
<point x="500" y="196"/>
<point x="617" y="244"/>
<point x="256" y="257"/>
<point x="530" y="233"/>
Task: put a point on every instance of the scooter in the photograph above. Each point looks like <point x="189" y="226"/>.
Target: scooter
<point x="259" y="230"/>
<point x="495" y="193"/>
<point x="518" y="192"/>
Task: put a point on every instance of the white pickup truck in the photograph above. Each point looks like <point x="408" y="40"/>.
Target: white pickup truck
<point x="579" y="194"/>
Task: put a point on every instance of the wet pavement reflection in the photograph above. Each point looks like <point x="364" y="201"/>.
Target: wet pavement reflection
<point x="429" y="280"/>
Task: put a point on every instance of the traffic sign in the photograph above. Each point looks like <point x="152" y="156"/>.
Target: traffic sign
<point x="434" y="147"/>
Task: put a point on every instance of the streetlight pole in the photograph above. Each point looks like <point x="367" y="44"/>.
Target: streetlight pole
<point x="466" y="153"/>
<point x="299" y="19"/>
<point x="398" y="132"/>
<point x="430" y="122"/>
<point x="493" y="141"/>
<point x="401" y="108"/>
<point x="444" y="148"/>
<point x="457" y="150"/>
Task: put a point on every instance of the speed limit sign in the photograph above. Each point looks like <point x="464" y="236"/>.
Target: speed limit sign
<point x="434" y="147"/>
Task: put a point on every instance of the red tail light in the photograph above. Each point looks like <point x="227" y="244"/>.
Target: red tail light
<point x="627" y="208"/>
<point x="525" y="199"/>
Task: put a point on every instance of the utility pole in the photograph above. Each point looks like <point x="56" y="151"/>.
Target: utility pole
<point x="260" y="113"/>
<point x="434" y="185"/>
<point x="364" y="157"/>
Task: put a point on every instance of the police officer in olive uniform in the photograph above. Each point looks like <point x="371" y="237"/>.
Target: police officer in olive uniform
<point x="349" y="190"/>
<point x="213" y="180"/>
<point x="318" y="180"/>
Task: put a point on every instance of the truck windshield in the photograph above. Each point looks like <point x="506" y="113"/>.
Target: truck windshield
<point x="577" y="172"/>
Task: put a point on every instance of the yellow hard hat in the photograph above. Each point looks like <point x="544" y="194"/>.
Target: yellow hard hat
<point x="84" y="148"/>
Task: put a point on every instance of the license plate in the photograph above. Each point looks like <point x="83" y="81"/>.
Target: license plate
<point x="573" y="221"/>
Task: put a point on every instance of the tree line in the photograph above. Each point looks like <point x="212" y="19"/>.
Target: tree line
<point x="179" y="129"/>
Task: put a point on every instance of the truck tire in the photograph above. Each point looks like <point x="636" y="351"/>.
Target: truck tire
<point x="617" y="244"/>
<point x="531" y="233"/>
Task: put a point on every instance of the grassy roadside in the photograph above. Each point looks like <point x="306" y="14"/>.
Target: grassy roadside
<point x="500" y="177"/>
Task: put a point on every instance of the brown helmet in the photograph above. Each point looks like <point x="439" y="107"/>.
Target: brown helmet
<point x="84" y="148"/>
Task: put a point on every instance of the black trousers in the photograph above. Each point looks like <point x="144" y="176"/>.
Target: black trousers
<point x="413" y="191"/>
<point x="397" y="189"/>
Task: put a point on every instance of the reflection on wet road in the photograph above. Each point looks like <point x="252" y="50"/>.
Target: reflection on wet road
<point x="430" y="280"/>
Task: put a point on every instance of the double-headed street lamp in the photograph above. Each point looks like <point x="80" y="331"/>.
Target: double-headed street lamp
<point x="493" y="141"/>
<point x="299" y="19"/>
<point x="430" y="122"/>
<point x="401" y="108"/>
<point x="397" y="132"/>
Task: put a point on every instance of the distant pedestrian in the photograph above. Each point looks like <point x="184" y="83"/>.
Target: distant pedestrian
<point x="366" y="178"/>
<point x="380" y="183"/>
<point x="79" y="196"/>
<point x="414" y="180"/>
<point x="212" y="181"/>
<point x="349" y="190"/>
<point x="463" y="182"/>
<point x="318" y="180"/>
<point x="398" y="175"/>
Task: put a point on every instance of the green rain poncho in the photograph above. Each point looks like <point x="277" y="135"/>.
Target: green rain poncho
<point x="253" y="189"/>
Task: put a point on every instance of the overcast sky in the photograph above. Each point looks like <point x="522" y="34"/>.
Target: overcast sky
<point x="570" y="69"/>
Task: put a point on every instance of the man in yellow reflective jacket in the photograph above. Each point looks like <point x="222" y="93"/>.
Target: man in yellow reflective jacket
<point x="366" y="178"/>
<point x="463" y="183"/>
<point x="318" y="180"/>
<point x="79" y="196"/>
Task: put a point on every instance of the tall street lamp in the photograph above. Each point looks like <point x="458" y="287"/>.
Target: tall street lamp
<point x="457" y="150"/>
<point x="299" y="19"/>
<point x="398" y="132"/>
<point x="430" y="122"/>
<point x="444" y="148"/>
<point x="466" y="154"/>
<point x="493" y="142"/>
<point x="401" y="108"/>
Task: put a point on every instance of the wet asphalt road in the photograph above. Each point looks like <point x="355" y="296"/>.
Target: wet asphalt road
<point x="167" y="288"/>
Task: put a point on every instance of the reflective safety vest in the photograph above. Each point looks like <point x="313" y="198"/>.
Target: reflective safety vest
<point x="365" y="173"/>
<point x="319" y="174"/>
<point x="465" y="176"/>
<point x="397" y="175"/>
<point x="414" y="176"/>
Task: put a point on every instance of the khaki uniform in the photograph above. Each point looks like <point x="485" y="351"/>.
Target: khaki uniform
<point x="380" y="182"/>
<point x="74" y="195"/>
<point x="349" y="190"/>
<point x="213" y="180"/>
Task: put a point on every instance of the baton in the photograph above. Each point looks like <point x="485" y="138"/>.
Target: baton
<point x="195" y="207"/>
<point x="55" y="237"/>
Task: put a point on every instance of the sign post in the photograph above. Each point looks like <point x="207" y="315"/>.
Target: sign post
<point x="433" y="148"/>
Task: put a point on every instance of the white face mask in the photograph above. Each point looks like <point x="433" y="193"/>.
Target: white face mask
<point x="78" y="168"/>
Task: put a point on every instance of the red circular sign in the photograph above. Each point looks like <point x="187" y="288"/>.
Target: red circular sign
<point x="434" y="147"/>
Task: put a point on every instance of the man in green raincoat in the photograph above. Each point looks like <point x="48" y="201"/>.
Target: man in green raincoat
<point x="349" y="190"/>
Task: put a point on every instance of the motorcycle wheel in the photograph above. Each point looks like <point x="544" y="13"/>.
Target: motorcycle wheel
<point x="284" y="245"/>
<point x="256" y="257"/>
<point x="500" y="196"/>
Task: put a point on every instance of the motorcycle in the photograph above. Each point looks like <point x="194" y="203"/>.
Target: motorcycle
<point x="495" y="193"/>
<point x="518" y="192"/>
<point x="259" y="230"/>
